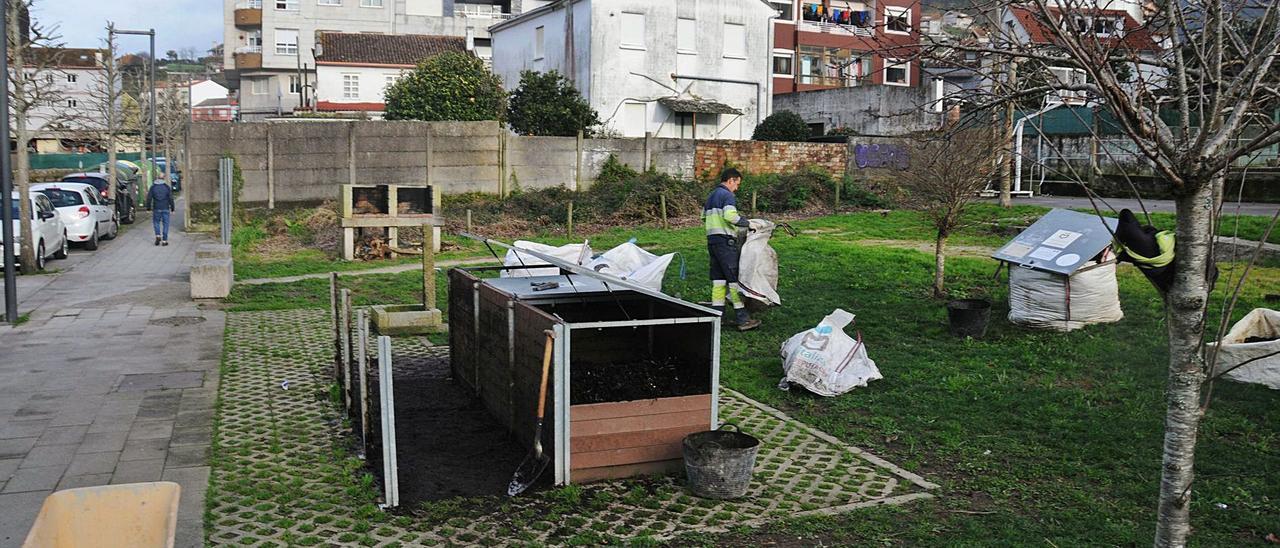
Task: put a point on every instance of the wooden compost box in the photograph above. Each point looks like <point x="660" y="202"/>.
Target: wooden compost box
<point x="631" y="374"/>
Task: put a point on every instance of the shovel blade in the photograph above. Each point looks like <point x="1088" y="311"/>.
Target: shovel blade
<point x="527" y="474"/>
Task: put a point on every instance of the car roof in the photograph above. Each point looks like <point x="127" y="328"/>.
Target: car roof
<point x="93" y="174"/>
<point x="64" y="184"/>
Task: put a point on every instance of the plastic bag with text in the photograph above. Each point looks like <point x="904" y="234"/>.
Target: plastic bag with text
<point x="825" y="360"/>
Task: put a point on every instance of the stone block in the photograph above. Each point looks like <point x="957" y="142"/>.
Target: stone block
<point x="409" y="319"/>
<point x="213" y="251"/>
<point x="211" y="278"/>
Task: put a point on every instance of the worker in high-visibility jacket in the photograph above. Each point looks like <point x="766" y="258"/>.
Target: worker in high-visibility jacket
<point x="720" y="214"/>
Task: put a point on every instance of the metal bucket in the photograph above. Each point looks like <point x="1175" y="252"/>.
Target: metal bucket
<point x="719" y="462"/>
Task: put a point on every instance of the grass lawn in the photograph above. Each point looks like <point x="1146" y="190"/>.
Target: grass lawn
<point x="1036" y="437"/>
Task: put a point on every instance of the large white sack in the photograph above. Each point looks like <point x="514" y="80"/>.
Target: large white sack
<point x="758" y="264"/>
<point x="572" y="253"/>
<point x="825" y="360"/>
<point x="1039" y="299"/>
<point x="631" y="262"/>
<point x="1261" y="323"/>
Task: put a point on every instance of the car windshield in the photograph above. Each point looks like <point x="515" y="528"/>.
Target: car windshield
<point x="62" y="197"/>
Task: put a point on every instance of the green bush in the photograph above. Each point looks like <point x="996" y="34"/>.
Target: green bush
<point x="546" y="103"/>
<point x="450" y="86"/>
<point x="783" y="125"/>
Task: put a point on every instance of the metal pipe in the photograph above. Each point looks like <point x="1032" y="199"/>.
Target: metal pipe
<point x="1017" y="144"/>
<point x="6" y="183"/>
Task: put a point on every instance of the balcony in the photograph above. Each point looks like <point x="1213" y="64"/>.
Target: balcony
<point x="248" y="14"/>
<point x="248" y="57"/>
<point x="473" y="11"/>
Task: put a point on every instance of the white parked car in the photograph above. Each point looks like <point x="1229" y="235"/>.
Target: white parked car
<point x="46" y="228"/>
<point x="86" y="217"/>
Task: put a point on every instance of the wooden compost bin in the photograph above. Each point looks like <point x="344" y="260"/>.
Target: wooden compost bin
<point x="496" y="332"/>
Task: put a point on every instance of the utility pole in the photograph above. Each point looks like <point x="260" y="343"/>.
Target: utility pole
<point x="152" y="34"/>
<point x="6" y="181"/>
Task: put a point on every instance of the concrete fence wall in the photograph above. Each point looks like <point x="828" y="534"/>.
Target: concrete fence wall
<point x="308" y="161"/>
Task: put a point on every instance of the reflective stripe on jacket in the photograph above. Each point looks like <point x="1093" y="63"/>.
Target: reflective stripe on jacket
<point x="720" y="214"/>
<point x="1165" y="241"/>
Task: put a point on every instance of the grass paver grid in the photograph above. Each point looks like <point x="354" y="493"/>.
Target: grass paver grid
<point x="284" y="474"/>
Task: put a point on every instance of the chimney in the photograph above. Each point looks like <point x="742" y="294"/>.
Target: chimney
<point x="471" y="39"/>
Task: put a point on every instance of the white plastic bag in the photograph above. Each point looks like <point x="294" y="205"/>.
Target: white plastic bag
<point x="1040" y="299"/>
<point x="1261" y="323"/>
<point x="758" y="264"/>
<point x="825" y="360"/>
<point x="573" y="253"/>
<point x="631" y="262"/>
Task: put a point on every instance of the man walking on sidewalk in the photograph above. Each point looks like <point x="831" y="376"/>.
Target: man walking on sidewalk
<point x="722" y="222"/>
<point x="160" y="203"/>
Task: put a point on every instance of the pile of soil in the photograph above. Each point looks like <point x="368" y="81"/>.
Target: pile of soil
<point x="644" y="379"/>
<point x="447" y="444"/>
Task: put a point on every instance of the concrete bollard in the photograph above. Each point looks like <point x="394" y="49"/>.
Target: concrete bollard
<point x="211" y="278"/>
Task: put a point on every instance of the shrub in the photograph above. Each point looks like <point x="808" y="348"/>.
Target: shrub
<point x="547" y="104"/>
<point x="450" y="86"/>
<point x="783" y="125"/>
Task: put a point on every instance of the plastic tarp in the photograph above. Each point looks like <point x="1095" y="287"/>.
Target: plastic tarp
<point x="1263" y="327"/>
<point x="758" y="264"/>
<point x="631" y="262"/>
<point x="1046" y="300"/>
<point x="825" y="360"/>
<point x="573" y="253"/>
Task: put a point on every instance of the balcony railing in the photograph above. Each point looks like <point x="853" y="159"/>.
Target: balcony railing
<point x="463" y="10"/>
<point x="249" y="4"/>
<point x="248" y="57"/>
<point x="831" y="81"/>
<point x="836" y="28"/>
<point x="250" y="17"/>
<point x="249" y="49"/>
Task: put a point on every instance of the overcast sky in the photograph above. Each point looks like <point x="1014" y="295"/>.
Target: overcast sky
<point x="178" y="23"/>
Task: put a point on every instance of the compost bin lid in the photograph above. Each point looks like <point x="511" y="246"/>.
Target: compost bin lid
<point x="1060" y="242"/>
<point x="523" y="288"/>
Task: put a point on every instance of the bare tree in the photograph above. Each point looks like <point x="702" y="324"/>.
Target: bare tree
<point x="1191" y="87"/>
<point x="948" y="170"/>
<point x="35" y="96"/>
<point x="171" y="119"/>
<point x="106" y="96"/>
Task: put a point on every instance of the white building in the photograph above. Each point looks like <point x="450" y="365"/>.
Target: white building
<point x="73" y="75"/>
<point x="269" y="43"/>
<point x="194" y="92"/>
<point x="354" y="70"/>
<point x="667" y="67"/>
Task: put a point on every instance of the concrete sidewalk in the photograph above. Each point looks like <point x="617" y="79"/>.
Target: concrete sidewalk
<point x="1153" y="206"/>
<point x="113" y="380"/>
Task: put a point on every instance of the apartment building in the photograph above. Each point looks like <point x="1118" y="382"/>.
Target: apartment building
<point x="74" y="121"/>
<point x="269" y="44"/>
<point x="824" y="44"/>
<point x="671" y="68"/>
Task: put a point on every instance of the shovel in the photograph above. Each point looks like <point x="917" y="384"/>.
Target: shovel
<point x="536" y="461"/>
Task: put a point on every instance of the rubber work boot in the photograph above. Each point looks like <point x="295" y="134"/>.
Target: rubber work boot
<point x="720" y="311"/>
<point x="744" y="321"/>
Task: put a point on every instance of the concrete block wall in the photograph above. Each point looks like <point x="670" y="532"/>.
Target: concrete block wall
<point x="542" y="162"/>
<point x="770" y="156"/>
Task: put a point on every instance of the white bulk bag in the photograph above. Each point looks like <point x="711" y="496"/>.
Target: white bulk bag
<point x="758" y="264"/>
<point x="825" y="360"/>
<point x="1261" y="323"/>
<point x="1046" y="300"/>
<point x="572" y="253"/>
<point x="631" y="262"/>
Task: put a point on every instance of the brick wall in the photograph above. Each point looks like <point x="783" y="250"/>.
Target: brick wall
<point x="769" y="156"/>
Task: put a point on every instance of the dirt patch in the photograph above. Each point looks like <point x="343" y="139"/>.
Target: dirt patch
<point x="447" y="444"/>
<point x="927" y="247"/>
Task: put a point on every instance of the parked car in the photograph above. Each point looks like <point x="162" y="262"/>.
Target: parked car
<point x="46" y="229"/>
<point x="126" y="192"/>
<point x="86" y="218"/>
<point x="175" y="179"/>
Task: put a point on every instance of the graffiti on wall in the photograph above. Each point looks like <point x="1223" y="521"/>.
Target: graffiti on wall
<point x="883" y="156"/>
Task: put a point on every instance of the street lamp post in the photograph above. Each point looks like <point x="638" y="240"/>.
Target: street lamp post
<point x="151" y="33"/>
<point x="6" y="181"/>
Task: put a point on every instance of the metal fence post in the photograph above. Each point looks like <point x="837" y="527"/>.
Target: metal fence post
<point x="225" y="195"/>
<point x="387" y="393"/>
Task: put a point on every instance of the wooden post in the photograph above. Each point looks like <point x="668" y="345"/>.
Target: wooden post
<point x="570" y="218"/>
<point x="345" y="343"/>
<point x="839" y="183"/>
<point x="753" y="203"/>
<point x="428" y="267"/>
<point x="468" y="221"/>
<point x="271" y="170"/>
<point x="335" y="324"/>
<point x="663" y="202"/>
<point x="362" y="361"/>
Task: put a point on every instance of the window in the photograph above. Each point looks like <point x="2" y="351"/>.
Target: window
<point x="897" y="73"/>
<point x="254" y="39"/>
<point x="370" y="3"/>
<point x="287" y="41"/>
<point x="258" y="86"/>
<point x="328" y="2"/>
<point x="1070" y="77"/>
<point x="786" y="9"/>
<point x="830" y="66"/>
<point x="897" y="20"/>
<point x="633" y="30"/>
<point x="539" y="43"/>
<point x="72" y="103"/>
<point x="686" y="35"/>
<point x="71" y="78"/>
<point x="782" y="64"/>
<point x="390" y="80"/>
<point x="92" y="197"/>
<point x="295" y="84"/>
<point x="289" y="5"/>
<point x="350" y="86"/>
<point x="735" y="41"/>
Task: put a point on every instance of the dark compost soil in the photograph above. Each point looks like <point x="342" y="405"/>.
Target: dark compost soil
<point x="644" y="379"/>
<point x="447" y="444"/>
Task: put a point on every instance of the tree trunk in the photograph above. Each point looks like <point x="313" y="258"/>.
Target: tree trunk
<point x="1006" y="163"/>
<point x="22" y="184"/>
<point x="1185" y="315"/>
<point x="111" y="162"/>
<point x="939" y="265"/>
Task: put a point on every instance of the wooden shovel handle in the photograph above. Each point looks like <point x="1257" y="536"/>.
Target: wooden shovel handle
<point x="546" y="370"/>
